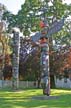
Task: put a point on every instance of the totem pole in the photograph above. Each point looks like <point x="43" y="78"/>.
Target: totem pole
<point x="44" y="61"/>
<point x="43" y="38"/>
<point x="15" y="63"/>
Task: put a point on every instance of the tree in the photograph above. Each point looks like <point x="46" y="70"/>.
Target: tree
<point x="31" y="13"/>
<point x="2" y="10"/>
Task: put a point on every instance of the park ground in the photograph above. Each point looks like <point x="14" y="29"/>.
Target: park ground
<point x="26" y="98"/>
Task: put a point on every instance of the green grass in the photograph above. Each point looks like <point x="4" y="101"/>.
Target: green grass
<point x="22" y="99"/>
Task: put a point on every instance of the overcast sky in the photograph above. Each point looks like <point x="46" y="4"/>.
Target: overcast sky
<point x="15" y="5"/>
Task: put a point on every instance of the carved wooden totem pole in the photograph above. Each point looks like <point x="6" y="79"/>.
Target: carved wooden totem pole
<point x="43" y="38"/>
<point x="15" y="63"/>
<point x="44" y="61"/>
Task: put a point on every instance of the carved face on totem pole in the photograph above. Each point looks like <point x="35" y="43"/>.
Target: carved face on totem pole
<point x="43" y="25"/>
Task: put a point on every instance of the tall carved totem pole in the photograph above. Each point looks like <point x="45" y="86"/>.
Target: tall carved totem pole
<point x="43" y="38"/>
<point x="15" y="63"/>
<point x="44" y="59"/>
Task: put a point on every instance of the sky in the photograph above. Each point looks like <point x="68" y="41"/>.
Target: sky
<point x="15" y="5"/>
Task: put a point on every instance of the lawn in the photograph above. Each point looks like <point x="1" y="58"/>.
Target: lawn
<point x="23" y="99"/>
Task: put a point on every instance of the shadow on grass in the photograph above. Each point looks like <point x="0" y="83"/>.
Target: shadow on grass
<point x="27" y="103"/>
<point x="9" y="99"/>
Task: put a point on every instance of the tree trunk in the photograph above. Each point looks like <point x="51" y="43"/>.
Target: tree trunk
<point x="52" y="81"/>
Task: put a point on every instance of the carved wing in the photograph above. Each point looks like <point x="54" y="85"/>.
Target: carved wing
<point x="55" y="27"/>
